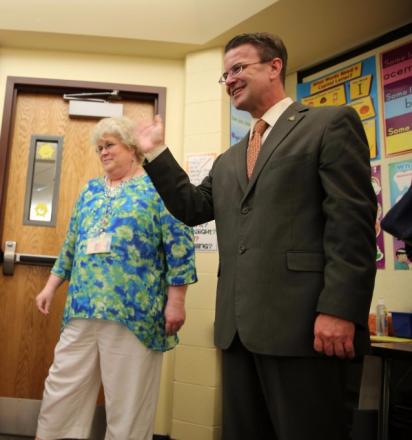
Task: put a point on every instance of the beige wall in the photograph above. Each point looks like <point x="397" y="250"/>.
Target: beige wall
<point x="196" y="405"/>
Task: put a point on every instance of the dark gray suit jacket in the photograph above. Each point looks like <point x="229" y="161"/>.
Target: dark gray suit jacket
<point x="298" y="239"/>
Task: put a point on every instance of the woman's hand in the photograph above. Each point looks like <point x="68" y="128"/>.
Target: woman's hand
<point x="175" y="313"/>
<point x="44" y="300"/>
<point x="45" y="297"/>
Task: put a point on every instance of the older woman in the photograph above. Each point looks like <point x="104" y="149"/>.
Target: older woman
<point x="128" y="262"/>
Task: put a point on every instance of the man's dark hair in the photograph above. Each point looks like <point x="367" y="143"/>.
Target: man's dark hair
<point x="268" y="46"/>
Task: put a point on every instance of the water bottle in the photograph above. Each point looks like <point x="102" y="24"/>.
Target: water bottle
<point x="381" y="318"/>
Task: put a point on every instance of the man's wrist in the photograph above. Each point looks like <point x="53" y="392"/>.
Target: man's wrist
<point x="151" y="155"/>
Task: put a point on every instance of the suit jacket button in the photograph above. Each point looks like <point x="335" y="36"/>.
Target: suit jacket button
<point x="242" y="249"/>
<point x="245" y="210"/>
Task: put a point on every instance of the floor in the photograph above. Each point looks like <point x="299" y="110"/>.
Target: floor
<point x="13" y="437"/>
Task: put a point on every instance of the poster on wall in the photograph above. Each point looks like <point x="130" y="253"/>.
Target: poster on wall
<point x="239" y="124"/>
<point x="400" y="178"/>
<point x="396" y="68"/>
<point x="354" y="85"/>
<point x="197" y="167"/>
<point x="380" y="246"/>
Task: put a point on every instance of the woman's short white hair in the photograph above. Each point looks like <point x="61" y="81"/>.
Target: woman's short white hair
<point x="121" y="127"/>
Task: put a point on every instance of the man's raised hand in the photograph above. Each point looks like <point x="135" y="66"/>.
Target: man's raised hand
<point x="150" y="134"/>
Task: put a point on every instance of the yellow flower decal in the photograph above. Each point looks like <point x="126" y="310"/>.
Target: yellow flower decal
<point x="46" y="151"/>
<point x="41" y="209"/>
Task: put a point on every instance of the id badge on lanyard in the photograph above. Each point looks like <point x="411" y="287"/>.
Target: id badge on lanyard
<point x="99" y="245"/>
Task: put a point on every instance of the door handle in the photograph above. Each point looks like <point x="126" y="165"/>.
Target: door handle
<point x="10" y="258"/>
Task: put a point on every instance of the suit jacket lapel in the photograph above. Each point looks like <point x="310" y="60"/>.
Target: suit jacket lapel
<point x="240" y="164"/>
<point x="289" y="119"/>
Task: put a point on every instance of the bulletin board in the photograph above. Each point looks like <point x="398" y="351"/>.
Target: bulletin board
<point x="396" y="70"/>
<point x="377" y="83"/>
<point x="354" y="85"/>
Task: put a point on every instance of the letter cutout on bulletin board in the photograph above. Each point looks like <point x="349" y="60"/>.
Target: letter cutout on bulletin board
<point x="396" y="68"/>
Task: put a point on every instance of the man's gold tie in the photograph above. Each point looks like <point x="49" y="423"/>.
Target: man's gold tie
<point x="254" y="145"/>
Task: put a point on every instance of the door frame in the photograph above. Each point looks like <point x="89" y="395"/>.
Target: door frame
<point x="19" y="416"/>
<point x="15" y="84"/>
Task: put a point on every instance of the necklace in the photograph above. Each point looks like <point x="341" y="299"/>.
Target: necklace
<point x="112" y="191"/>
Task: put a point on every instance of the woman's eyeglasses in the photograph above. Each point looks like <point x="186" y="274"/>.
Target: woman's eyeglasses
<point x="107" y="147"/>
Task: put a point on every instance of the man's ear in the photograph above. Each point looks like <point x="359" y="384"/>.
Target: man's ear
<point x="276" y="67"/>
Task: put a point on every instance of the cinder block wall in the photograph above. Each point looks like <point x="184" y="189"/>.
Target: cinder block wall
<point x="196" y="387"/>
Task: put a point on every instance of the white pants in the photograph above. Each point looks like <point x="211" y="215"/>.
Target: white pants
<point x="90" y="352"/>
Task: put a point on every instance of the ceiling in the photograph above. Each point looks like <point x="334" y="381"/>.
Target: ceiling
<point x="311" y="29"/>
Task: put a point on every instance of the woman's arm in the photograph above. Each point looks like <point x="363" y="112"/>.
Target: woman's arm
<point x="45" y="297"/>
<point x="175" y="313"/>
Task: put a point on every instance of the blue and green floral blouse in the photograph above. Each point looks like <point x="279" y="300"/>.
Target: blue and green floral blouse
<point x="149" y="251"/>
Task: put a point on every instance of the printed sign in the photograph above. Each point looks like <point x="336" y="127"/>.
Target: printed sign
<point x="198" y="167"/>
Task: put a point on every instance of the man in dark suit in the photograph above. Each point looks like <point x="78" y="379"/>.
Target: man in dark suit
<point x="296" y="246"/>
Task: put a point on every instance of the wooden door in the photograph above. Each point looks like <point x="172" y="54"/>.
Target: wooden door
<point x="27" y="338"/>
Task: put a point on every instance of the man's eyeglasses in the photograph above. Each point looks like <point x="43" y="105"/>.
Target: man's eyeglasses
<point x="236" y="70"/>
